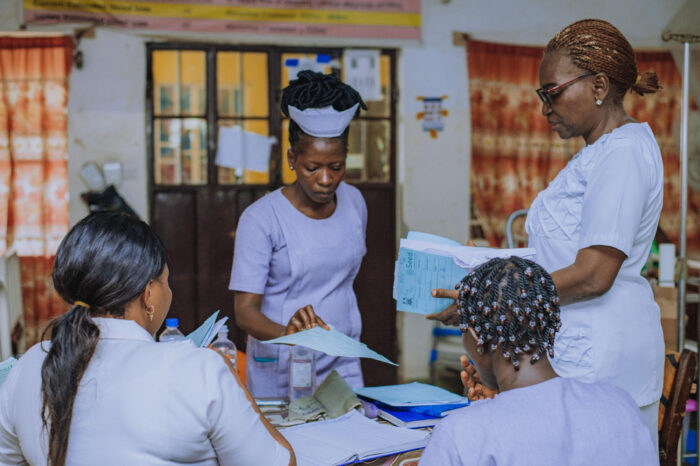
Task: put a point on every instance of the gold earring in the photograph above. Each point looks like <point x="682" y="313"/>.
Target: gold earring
<point x="150" y="312"/>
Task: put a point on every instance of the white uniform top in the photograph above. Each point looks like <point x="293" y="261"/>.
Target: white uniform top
<point x="609" y="194"/>
<point x="139" y="402"/>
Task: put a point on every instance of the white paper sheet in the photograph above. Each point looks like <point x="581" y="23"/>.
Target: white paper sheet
<point x="330" y="342"/>
<point x="361" y="71"/>
<point x="243" y="149"/>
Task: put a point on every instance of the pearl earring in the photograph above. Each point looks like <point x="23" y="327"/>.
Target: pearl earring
<point x="598" y="102"/>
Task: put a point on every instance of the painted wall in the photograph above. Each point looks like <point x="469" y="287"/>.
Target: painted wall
<point x="107" y="106"/>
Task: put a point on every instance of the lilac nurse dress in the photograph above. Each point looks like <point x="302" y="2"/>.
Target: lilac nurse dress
<point x="293" y="260"/>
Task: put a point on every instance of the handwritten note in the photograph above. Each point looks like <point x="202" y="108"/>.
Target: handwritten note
<point x="420" y="272"/>
<point x="331" y="342"/>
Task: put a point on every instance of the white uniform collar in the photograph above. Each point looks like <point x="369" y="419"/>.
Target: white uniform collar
<point x="325" y="122"/>
<point x="121" y="329"/>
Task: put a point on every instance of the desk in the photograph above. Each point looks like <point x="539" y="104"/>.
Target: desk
<point x="409" y="458"/>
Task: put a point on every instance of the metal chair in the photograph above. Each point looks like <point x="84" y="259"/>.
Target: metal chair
<point x="509" y="226"/>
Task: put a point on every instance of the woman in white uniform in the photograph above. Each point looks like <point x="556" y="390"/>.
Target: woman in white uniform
<point x="104" y="392"/>
<point x="594" y="224"/>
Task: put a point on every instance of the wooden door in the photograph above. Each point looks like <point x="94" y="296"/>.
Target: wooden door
<point x="195" y="89"/>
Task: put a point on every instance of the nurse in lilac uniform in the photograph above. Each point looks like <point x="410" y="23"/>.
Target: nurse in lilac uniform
<point x="299" y="248"/>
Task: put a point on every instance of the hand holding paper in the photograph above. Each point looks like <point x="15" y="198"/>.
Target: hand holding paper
<point x="304" y="319"/>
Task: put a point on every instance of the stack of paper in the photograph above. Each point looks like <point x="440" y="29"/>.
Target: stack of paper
<point x="428" y="261"/>
<point x="350" y="438"/>
<point x="203" y="335"/>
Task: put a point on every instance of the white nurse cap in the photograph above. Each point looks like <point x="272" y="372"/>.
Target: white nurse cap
<point x="325" y="122"/>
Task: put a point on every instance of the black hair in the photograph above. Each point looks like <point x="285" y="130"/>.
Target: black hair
<point x="317" y="90"/>
<point x="103" y="263"/>
<point x="513" y="303"/>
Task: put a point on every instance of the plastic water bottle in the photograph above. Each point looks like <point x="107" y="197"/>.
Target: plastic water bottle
<point x="302" y="372"/>
<point x="223" y="345"/>
<point x="171" y="332"/>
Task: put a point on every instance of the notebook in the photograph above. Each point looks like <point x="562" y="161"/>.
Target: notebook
<point x="349" y="439"/>
<point x="406" y="418"/>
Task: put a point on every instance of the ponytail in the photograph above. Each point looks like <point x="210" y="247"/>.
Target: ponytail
<point x="646" y="83"/>
<point x="74" y="338"/>
<point x="102" y="264"/>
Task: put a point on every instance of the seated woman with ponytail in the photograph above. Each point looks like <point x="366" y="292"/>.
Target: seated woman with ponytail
<point x="103" y="392"/>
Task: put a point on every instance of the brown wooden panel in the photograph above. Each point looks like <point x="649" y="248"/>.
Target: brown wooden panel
<point x="218" y="213"/>
<point x="173" y="218"/>
<point x="374" y="282"/>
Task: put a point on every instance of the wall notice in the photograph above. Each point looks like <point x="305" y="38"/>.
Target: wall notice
<point x="337" y="18"/>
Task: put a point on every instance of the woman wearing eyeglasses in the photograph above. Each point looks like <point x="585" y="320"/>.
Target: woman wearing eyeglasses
<point x="594" y="224"/>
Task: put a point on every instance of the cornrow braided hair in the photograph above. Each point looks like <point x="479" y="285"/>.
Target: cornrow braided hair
<point x="598" y="46"/>
<point x="513" y="303"/>
<point x="317" y="90"/>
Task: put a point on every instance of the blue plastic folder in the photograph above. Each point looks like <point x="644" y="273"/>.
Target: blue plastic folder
<point x="412" y="394"/>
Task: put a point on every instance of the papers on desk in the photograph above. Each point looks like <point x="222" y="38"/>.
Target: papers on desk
<point x="428" y="261"/>
<point x="203" y="335"/>
<point x="350" y="438"/>
<point x="330" y="342"/>
<point x="5" y="368"/>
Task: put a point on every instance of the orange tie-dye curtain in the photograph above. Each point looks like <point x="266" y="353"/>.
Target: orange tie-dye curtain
<point x="515" y="154"/>
<point x="33" y="166"/>
<point x="514" y="151"/>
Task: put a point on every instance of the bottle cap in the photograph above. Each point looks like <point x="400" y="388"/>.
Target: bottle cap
<point x="172" y="322"/>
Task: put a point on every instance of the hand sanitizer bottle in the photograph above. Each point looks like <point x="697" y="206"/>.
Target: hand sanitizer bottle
<point x="223" y="345"/>
<point x="302" y="372"/>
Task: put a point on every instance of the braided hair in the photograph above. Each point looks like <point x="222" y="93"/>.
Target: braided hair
<point x="317" y="90"/>
<point x="598" y="46"/>
<point x="513" y="303"/>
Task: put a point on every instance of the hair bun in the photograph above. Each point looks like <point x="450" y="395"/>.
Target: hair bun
<point x="647" y="83"/>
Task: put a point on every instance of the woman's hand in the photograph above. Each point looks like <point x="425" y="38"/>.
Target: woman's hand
<point x="449" y="315"/>
<point x="304" y="319"/>
<point x="472" y="382"/>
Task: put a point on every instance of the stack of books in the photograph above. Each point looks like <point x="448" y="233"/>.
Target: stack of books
<point x="413" y="405"/>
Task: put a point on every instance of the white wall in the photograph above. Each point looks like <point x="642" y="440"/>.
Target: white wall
<point x="107" y="106"/>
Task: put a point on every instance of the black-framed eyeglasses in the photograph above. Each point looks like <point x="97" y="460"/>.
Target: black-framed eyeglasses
<point x="546" y="95"/>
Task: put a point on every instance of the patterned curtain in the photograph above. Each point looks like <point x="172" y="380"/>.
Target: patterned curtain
<point x="515" y="154"/>
<point x="33" y="166"/>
